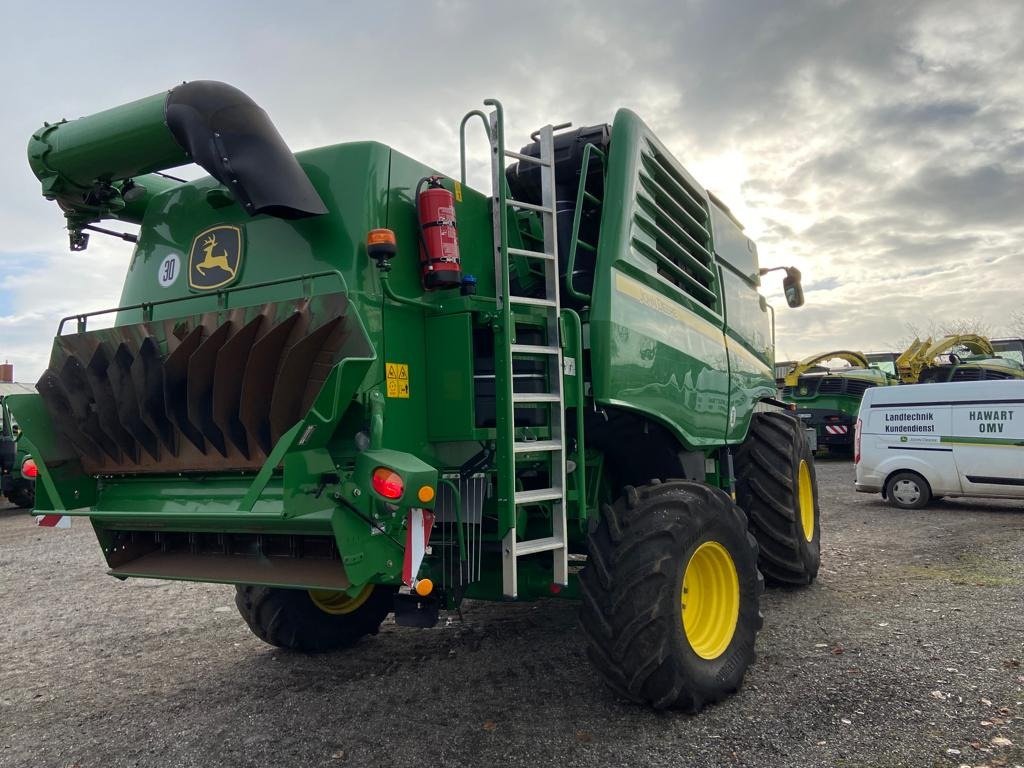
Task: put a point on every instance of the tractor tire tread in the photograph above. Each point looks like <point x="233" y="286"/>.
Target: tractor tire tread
<point x="631" y="640"/>
<point x="767" y="490"/>
<point x="288" y="618"/>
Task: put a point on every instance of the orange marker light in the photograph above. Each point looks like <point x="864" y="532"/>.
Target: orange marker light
<point x="380" y="237"/>
<point x="387" y="483"/>
<point x="425" y="494"/>
<point x="424" y="587"/>
<point x="381" y="246"/>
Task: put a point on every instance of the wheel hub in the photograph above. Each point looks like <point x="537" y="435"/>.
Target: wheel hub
<point x="339" y="603"/>
<point x="710" y="600"/>
<point x="805" y="500"/>
<point x="906" y="491"/>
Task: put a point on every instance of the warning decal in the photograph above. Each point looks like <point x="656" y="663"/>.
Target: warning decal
<point x="397" y="379"/>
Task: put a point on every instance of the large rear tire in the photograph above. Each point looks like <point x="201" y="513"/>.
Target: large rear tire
<point x="313" y="622"/>
<point x="671" y="594"/>
<point x="777" y="488"/>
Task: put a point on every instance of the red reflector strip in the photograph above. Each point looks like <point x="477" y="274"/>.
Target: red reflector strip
<point x="417" y="534"/>
<point x="53" y="521"/>
<point x="840" y="429"/>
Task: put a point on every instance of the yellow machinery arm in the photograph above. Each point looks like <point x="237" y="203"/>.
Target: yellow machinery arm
<point x="855" y="359"/>
<point x="920" y="354"/>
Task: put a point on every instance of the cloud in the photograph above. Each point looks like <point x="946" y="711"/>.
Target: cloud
<point x="879" y="147"/>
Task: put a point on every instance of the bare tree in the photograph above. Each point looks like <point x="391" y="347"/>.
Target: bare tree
<point x="936" y="329"/>
<point x="1015" y="325"/>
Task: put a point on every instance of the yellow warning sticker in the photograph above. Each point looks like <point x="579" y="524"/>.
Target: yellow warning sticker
<point x="397" y="375"/>
<point x="458" y="192"/>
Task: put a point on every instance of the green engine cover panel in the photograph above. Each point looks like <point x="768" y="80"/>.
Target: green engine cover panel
<point x="662" y="339"/>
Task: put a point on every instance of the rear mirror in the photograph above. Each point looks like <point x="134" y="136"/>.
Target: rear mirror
<point x="792" y="288"/>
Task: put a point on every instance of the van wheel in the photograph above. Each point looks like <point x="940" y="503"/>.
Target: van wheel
<point x="777" y="488"/>
<point x="908" y="490"/>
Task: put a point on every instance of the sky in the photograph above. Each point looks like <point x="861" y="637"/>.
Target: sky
<point x="877" y="146"/>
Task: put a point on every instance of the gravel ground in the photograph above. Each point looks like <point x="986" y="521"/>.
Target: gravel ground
<point x="906" y="652"/>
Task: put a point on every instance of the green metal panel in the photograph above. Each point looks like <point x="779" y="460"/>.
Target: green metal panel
<point x="449" y="377"/>
<point x="751" y="350"/>
<point x="656" y="327"/>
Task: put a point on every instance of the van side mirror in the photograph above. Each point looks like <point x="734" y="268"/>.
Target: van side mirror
<point x="792" y="288"/>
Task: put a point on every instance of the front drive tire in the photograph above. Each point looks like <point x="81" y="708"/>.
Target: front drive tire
<point x="908" y="490"/>
<point x="671" y="595"/>
<point x="313" y="622"/>
<point x="777" y="488"/>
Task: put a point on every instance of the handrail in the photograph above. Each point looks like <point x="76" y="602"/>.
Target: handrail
<point x="147" y="306"/>
<point x="581" y="192"/>
<point x="462" y="137"/>
<point x="498" y="142"/>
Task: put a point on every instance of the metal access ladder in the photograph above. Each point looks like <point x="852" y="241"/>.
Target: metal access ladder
<point x="511" y="445"/>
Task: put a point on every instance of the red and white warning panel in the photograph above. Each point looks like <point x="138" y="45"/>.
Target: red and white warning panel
<point x="417" y="534"/>
<point x="837" y="429"/>
<point x="53" y="521"/>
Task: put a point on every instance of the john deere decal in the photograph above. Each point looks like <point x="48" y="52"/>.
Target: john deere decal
<point x="215" y="258"/>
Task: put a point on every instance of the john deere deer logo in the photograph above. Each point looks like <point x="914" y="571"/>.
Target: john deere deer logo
<point x="215" y="258"/>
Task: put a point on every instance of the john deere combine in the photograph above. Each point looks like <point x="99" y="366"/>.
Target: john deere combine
<point x="827" y="399"/>
<point x="350" y="385"/>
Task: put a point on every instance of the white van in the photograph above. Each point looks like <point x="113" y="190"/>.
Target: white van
<point x="919" y="442"/>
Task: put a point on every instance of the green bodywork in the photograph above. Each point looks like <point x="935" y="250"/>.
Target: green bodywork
<point x="675" y="335"/>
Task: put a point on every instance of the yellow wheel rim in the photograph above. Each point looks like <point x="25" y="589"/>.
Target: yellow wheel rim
<point x="710" y="600"/>
<point x="339" y="603"/>
<point x="805" y="498"/>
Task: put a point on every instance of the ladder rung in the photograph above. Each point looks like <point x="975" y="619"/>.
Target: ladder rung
<point x="530" y="254"/>
<point x="529" y="300"/>
<point x="527" y="206"/>
<point x="536" y="446"/>
<point x="536" y="397"/>
<point x="526" y="158"/>
<point x="533" y="349"/>
<point x="532" y="546"/>
<point x="539" y="494"/>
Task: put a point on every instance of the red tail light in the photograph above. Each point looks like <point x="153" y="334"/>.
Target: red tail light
<point x="856" y="442"/>
<point x="387" y="483"/>
<point x="29" y="469"/>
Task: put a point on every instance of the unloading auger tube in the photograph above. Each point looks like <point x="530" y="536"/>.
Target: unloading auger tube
<point x="108" y="165"/>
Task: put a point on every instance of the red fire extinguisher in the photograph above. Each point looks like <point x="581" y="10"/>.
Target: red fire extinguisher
<point x="439" y="240"/>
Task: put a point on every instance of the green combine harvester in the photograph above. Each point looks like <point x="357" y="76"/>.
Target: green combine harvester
<point x="827" y="399"/>
<point x="351" y="386"/>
